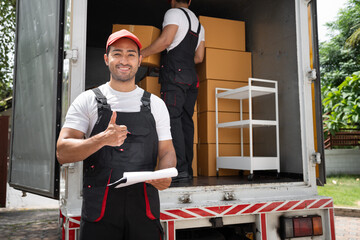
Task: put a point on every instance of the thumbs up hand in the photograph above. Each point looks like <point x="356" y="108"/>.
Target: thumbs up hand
<point x="115" y="135"/>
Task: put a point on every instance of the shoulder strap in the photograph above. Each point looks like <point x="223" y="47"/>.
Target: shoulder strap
<point x="145" y="100"/>
<point x="187" y="16"/>
<point x="101" y="99"/>
<point x="198" y="30"/>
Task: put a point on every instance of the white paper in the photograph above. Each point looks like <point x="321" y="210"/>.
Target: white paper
<point x="136" y="177"/>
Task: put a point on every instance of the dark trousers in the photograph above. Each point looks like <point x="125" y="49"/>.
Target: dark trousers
<point x="180" y="100"/>
<point x="126" y="216"/>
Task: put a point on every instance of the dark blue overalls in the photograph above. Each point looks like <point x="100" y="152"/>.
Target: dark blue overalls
<point x="121" y="213"/>
<point x="179" y="90"/>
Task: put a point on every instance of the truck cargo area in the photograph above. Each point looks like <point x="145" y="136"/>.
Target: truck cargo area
<point x="260" y="178"/>
<point x="270" y="28"/>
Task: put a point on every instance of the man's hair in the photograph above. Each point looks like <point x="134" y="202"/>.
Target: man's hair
<point x="183" y="1"/>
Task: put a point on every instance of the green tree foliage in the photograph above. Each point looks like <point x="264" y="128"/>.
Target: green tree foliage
<point x="354" y="39"/>
<point x="342" y="104"/>
<point x="340" y="69"/>
<point x="7" y="36"/>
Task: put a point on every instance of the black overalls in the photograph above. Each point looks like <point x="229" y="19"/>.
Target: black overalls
<point x="179" y="90"/>
<point x="121" y="213"/>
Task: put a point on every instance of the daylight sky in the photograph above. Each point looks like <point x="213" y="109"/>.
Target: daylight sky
<point x="327" y="10"/>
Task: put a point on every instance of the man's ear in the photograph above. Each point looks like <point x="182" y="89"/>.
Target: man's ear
<point x="140" y="59"/>
<point x="106" y="59"/>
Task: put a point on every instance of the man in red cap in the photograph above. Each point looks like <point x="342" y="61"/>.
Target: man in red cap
<point x="116" y="128"/>
<point x="183" y="39"/>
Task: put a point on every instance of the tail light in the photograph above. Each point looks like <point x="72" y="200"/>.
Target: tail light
<point x="291" y="227"/>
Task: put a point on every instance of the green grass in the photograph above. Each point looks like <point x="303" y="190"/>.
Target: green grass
<point x="344" y="189"/>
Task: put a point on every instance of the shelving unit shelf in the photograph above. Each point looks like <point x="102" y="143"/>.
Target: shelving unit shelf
<point x="250" y="162"/>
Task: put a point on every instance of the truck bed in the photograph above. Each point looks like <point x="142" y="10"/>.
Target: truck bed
<point x="263" y="177"/>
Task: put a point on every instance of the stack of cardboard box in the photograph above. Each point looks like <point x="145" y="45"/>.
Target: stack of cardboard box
<point x="226" y="65"/>
<point x="146" y="35"/>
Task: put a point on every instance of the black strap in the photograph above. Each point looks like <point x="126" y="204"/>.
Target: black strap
<point x="145" y="101"/>
<point x="199" y="28"/>
<point x="187" y="16"/>
<point x="101" y="99"/>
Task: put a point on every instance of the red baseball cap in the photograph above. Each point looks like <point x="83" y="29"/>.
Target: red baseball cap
<point x="122" y="34"/>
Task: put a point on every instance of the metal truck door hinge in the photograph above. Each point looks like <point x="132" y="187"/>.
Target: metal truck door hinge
<point x="315" y="158"/>
<point x="229" y="195"/>
<point x="186" y="198"/>
<point x="72" y="54"/>
<point x="311" y="75"/>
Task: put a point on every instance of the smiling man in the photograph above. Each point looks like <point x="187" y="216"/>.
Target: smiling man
<point x="114" y="128"/>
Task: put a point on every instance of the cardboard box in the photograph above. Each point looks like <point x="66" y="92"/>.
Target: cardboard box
<point x="207" y="128"/>
<point x="206" y="97"/>
<point x="195" y="160"/>
<point x="222" y="64"/>
<point x="150" y="84"/>
<point x="223" y="33"/>
<point x="196" y="128"/>
<point x="207" y="158"/>
<point x="146" y="35"/>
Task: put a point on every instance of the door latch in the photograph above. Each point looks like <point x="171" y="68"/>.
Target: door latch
<point x="316" y="158"/>
<point x="72" y="54"/>
<point x="311" y="75"/>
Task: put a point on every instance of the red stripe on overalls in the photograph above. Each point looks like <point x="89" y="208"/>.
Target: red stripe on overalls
<point x="148" y="210"/>
<point x="192" y="33"/>
<point x="103" y="206"/>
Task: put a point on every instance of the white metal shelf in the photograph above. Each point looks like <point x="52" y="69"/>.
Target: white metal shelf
<point x="248" y="162"/>
<point x="246" y="124"/>
<point x="243" y="92"/>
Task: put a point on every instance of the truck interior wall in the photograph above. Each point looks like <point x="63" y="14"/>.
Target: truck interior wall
<point x="270" y="37"/>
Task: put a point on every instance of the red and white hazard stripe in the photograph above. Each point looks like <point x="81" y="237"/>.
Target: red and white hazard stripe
<point x="69" y="226"/>
<point x="170" y="216"/>
<point x="246" y="208"/>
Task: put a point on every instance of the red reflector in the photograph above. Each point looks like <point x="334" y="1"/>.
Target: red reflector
<point x="291" y="227"/>
<point x="302" y="227"/>
<point x="317" y="226"/>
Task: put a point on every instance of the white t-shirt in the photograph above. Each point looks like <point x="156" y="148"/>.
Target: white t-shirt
<point x="83" y="112"/>
<point x="178" y="17"/>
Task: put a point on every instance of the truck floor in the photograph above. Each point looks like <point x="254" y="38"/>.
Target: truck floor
<point x="240" y="179"/>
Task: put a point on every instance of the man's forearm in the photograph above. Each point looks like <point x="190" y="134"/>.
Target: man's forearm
<point x="168" y="160"/>
<point x="158" y="46"/>
<point x="72" y="147"/>
<point x="162" y="42"/>
<point x="75" y="150"/>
